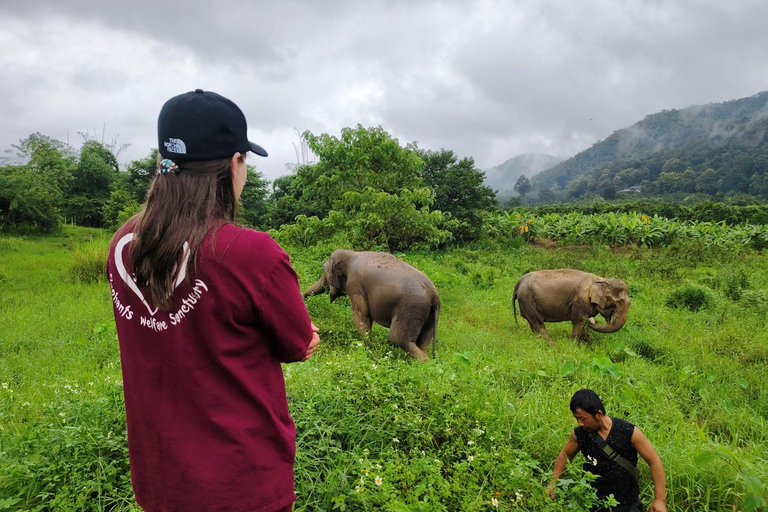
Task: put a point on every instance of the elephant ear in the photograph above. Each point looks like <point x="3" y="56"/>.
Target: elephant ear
<point x="335" y="274"/>
<point x="597" y="293"/>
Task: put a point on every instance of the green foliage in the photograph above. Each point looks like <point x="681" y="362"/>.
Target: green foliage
<point x="119" y="207"/>
<point x="498" y="386"/>
<point x="71" y="453"/>
<point x="90" y="187"/>
<point x="715" y="149"/>
<point x="28" y="203"/>
<point x="631" y="228"/>
<point x="50" y="159"/>
<point x="254" y="207"/>
<point x="458" y="190"/>
<point x="394" y="221"/>
<point x="139" y="175"/>
<point x="691" y="296"/>
<point x="360" y="158"/>
<point x="307" y="231"/>
<point x="733" y="282"/>
<point x="522" y="185"/>
<point x="10" y="243"/>
<point x="756" y="300"/>
<point x="372" y="184"/>
<point x="755" y="489"/>
<point x="89" y="262"/>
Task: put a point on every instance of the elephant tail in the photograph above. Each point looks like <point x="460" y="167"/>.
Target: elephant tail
<point x="434" y="315"/>
<point x="514" y="299"/>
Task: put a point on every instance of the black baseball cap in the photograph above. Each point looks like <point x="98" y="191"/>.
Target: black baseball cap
<point x="202" y="125"/>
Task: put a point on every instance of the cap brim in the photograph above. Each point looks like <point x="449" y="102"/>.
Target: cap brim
<point x="258" y="149"/>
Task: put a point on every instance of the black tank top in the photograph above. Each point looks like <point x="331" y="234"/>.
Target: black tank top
<point x="613" y="479"/>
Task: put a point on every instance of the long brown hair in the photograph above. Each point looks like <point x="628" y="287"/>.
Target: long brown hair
<point x="180" y="208"/>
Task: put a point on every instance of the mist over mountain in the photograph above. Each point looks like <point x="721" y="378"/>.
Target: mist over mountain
<point x="503" y="177"/>
<point x="710" y="149"/>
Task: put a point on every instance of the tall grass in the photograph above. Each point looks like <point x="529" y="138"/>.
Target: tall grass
<point x="483" y="421"/>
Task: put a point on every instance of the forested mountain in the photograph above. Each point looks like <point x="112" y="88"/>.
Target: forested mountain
<point x="504" y="176"/>
<point x="712" y="149"/>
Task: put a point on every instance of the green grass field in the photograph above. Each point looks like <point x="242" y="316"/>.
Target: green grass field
<point x="483" y="421"/>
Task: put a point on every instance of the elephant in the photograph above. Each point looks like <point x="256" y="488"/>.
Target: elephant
<point x="385" y="290"/>
<point x="566" y="294"/>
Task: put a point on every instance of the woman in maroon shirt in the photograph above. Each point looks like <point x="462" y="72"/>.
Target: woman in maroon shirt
<point x="206" y="312"/>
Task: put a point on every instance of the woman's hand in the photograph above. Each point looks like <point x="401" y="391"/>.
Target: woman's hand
<point x="313" y="343"/>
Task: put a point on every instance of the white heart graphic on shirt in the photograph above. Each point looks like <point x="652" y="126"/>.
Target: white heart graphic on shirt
<point x="131" y="282"/>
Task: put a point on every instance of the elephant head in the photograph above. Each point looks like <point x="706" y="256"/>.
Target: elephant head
<point x="334" y="276"/>
<point x="610" y="298"/>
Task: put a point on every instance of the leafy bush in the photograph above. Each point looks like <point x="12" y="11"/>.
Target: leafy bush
<point x="691" y="296"/>
<point x="73" y="456"/>
<point x="707" y="276"/>
<point x="755" y="299"/>
<point x="374" y="220"/>
<point x="89" y="263"/>
<point x="10" y="243"/>
<point x="734" y="282"/>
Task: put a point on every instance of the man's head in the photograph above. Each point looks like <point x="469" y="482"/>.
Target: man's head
<point x="587" y="408"/>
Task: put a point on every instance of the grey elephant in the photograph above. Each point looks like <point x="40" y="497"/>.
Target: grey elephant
<point x="571" y="295"/>
<point x="385" y="290"/>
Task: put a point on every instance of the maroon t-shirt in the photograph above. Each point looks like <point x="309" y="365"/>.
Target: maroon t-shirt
<point x="208" y="422"/>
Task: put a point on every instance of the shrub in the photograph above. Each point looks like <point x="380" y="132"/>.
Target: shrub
<point x="10" y="243"/>
<point x="755" y="299"/>
<point x="89" y="263"/>
<point x="707" y="276"/>
<point x="734" y="282"/>
<point x="691" y="296"/>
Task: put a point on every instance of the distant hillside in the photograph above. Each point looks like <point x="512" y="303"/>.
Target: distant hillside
<point x="503" y="177"/>
<point x="714" y="148"/>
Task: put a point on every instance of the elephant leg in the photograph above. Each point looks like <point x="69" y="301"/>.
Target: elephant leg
<point x="404" y="333"/>
<point x="537" y="326"/>
<point x="534" y="318"/>
<point x="426" y="336"/>
<point x="361" y="315"/>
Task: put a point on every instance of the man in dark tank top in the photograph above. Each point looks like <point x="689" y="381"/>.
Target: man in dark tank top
<point x="626" y="440"/>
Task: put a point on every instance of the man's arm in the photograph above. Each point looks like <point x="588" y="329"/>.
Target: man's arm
<point x="647" y="452"/>
<point x="568" y="452"/>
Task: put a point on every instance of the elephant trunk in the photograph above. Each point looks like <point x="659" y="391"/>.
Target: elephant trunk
<point x="617" y="320"/>
<point x="316" y="288"/>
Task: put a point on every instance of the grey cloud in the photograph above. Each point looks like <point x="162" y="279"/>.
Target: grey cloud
<point x="488" y="79"/>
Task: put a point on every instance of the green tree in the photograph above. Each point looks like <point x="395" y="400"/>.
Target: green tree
<point x="522" y="185"/>
<point x="578" y="187"/>
<point x="707" y="182"/>
<point x="360" y="158"/>
<point x="546" y="196"/>
<point x="31" y="194"/>
<point x="90" y="187"/>
<point x="139" y="175"/>
<point x="254" y="204"/>
<point x="607" y="189"/>
<point x="458" y="189"/>
<point x="28" y="203"/>
<point x="364" y="177"/>
<point x="50" y="158"/>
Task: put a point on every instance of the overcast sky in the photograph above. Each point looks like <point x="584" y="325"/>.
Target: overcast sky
<point x="490" y="80"/>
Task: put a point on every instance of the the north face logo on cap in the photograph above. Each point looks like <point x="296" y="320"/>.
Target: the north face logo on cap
<point x="176" y="146"/>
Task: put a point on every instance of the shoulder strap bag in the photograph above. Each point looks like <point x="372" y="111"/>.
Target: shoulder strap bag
<point x="614" y="455"/>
